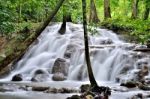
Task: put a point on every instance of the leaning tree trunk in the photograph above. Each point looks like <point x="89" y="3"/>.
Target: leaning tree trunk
<point x="147" y="9"/>
<point x="50" y="17"/>
<point x="134" y="9"/>
<point x="93" y="12"/>
<point x="107" y="9"/>
<point x="12" y="59"/>
<point x="87" y="56"/>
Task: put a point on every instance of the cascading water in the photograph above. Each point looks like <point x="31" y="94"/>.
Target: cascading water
<point x="109" y="55"/>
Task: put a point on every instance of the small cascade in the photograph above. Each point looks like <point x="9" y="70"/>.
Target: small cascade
<point x="61" y="57"/>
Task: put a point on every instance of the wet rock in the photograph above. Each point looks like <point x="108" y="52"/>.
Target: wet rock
<point x="141" y="63"/>
<point x="34" y="79"/>
<point x="61" y="90"/>
<point x="142" y="73"/>
<point x="67" y="90"/>
<point x="39" y="71"/>
<point x="137" y="55"/>
<point x="147" y="79"/>
<point x="71" y="48"/>
<point x="126" y="68"/>
<point x="5" y="90"/>
<point x="58" y="77"/>
<point x="144" y="87"/>
<point x="84" y="88"/>
<point x="74" y="97"/>
<point x="129" y="46"/>
<point x="67" y="55"/>
<point x="40" y="76"/>
<point x="120" y="89"/>
<point x="104" y="41"/>
<point x="17" y="77"/>
<point x="138" y="96"/>
<point x="140" y="46"/>
<point x="40" y="88"/>
<point x="129" y="84"/>
<point x="89" y="97"/>
<point x="60" y="66"/>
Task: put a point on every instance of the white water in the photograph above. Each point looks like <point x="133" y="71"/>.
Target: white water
<point x="107" y="59"/>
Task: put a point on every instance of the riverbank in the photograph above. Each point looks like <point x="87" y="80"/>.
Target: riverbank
<point x="12" y="47"/>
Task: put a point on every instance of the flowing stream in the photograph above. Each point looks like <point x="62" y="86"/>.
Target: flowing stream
<point x="61" y="57"/>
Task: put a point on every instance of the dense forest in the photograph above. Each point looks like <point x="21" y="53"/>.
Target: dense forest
<point x="130" y="15"/>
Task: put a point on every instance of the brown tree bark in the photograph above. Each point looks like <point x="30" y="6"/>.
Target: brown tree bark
<point x="87" y="56"/>
<point x="93" y="13"/>
<point x="107" y="11"/>
<point x="146" y="13"/>
<point x="62" y="29"/>
<point x="147" y="10"/>
<point x="66" y="18"/>
<point x="134" y="9"/>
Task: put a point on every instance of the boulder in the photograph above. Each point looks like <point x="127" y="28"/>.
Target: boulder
<point x="58" y="77"/>
<point x="39" y="71"/>
<point x="144" y="87"/>
<point x="129" y="84"/>
<point x="60" y="66"/>
<point x="71" y="48"/>
<point x="126" y="68"/>
<point x="40" y="76"/>
<point x="40" y="88"/>
<point x="140" y="46"/>
<point x="17" y="77"/>
<point x="84" y="88"/>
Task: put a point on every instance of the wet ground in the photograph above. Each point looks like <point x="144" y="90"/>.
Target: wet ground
<point x="14" y="90"/>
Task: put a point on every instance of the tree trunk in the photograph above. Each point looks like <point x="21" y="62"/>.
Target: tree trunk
<point x="146" y="13"/>
<point x="62" y="29"/>
<point x="66" y="18"/>
<point x="147" y="10"/>
<point x="134" y="9"/>
<point x="87" y="56"/>
<point x="93" y="12"/>
<point x="107" y="9"/>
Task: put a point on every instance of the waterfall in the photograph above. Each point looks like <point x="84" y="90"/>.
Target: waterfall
<point x="108" y="54"/>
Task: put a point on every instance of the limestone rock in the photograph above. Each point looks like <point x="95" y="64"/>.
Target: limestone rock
<point x="129" y="84"/>
<point x="58" y="77"/>
<point x="60" y="66"/>
<point x="40" y="76"/>
<point x="17" y="77"/>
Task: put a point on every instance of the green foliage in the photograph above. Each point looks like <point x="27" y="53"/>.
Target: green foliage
<point x="6" y="19"/>
<point x="92" y="28"/>
<point x="138" y="29"/>
<point x="15" y="15"/>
